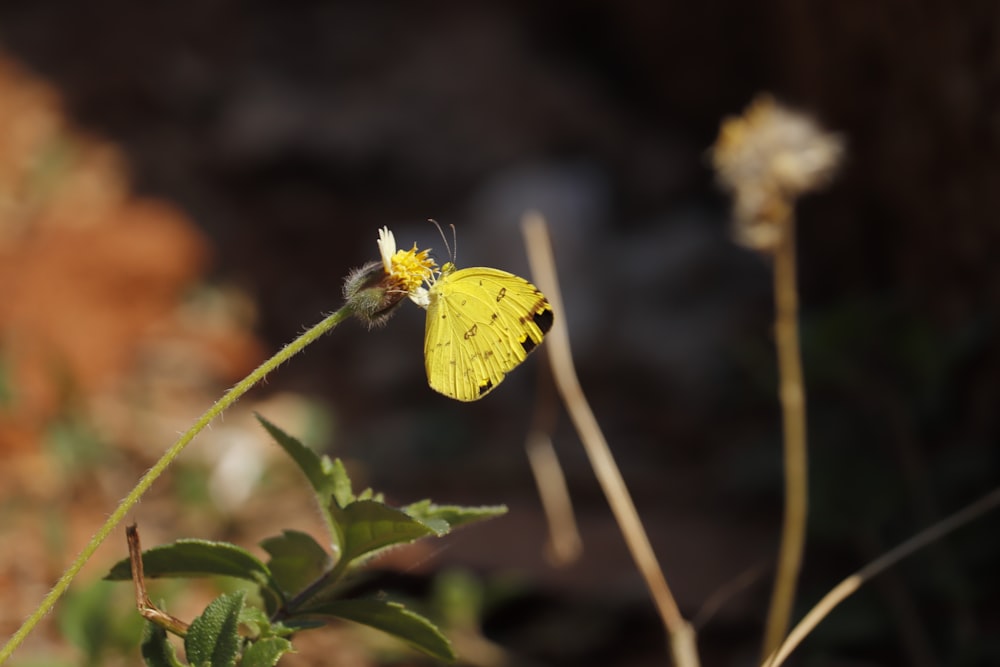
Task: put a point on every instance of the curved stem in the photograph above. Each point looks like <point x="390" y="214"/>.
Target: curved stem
<point x="793" y="407"/>
<point x="147" y="480"/>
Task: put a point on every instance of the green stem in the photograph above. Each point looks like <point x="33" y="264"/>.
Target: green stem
<point x="147" y="480"/>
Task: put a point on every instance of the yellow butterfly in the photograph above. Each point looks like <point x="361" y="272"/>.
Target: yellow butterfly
<point x="481" y="324"/>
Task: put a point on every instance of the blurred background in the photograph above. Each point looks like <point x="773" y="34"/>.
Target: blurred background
<point x="184" y="185"/>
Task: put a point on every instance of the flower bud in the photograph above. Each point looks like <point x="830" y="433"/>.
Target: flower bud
<point x="371" y="294"/>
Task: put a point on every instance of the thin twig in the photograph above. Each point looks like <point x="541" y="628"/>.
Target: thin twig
<point x="681" y="636"/>
<point x="848" y="586"/>
<point x="564" y="545"/>
<point x="145" y="606"/>
<point x="732" y="588"/>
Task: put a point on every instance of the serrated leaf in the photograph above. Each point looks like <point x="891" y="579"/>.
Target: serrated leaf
<point x="296" y="561"/>
<point x="255" y="621"/>
<point x="368" y="526"/>
<point x="394" y="619"/>
<point x="214" y="640"/>
<point x="259" y="625"/>
<point x="198" y="558"/>
<point x="157" y="651"/>
<point x="329" y="479"/>
<point x="342" y="491"/>
<point x="453" y="515"/>
<point x="369" y="494"/>
<point x="266" y="652"/>
<point x="316" y="468"/>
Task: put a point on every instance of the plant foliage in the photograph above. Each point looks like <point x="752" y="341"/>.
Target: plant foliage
<point x="302" y="583"/>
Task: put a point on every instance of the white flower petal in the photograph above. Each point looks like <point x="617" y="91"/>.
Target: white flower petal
<point x="386" y="247"/>
<point x="421" y="297"/>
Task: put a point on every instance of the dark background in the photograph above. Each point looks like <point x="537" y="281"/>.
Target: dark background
<point x="291" y="131"/>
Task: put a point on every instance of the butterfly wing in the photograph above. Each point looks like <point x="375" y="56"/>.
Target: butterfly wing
<point x="481" y="323"/>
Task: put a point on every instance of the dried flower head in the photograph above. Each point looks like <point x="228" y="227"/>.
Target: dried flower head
<point x="768" y="157"/>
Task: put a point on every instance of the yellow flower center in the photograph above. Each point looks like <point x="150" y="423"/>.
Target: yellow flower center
<point x="411" y="268"/>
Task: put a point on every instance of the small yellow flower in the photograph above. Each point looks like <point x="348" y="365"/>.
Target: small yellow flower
<point x="408" y="270"/>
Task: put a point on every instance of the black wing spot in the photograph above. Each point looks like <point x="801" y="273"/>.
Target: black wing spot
<point x="471" y="332"/>
<point x="543" y="319"/>
<point x="528" y="345"/>
<point x="501" y="294"/>
<point x="485" y="387"/>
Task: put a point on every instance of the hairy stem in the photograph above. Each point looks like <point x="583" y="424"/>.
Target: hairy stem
<point x="147" y="480"/>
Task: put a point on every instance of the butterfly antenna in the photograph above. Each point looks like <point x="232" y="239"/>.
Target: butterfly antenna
<point x="453" y="248"/>
<point x="454" y="243"/>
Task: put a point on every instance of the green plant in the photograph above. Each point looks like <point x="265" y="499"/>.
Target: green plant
<point x="97" y="618"/>
<point x="302" y="585"/>
<point x="371" y="294"/>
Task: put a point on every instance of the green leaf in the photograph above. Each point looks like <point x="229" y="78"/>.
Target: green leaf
<point x="256" y="622"/>
<point x="196" y="558"/>
<point x="157" y="651"/>
<point x="360" y="525"/>
<point x="394" y="619"/>
<point x="214" y="640"/>
<point x="367" y="526"/>
<point x="317" y="469"/>
<point x="259" y="626"/>
<point x="458" y="598"/>
<point x="453" y="515"/>
<point x="266" y="652"/>
<point x="100" y="619"/>
<point x="329" y="479"/>
<point x="296" y="561"/>
<point x="342" y="491"/>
